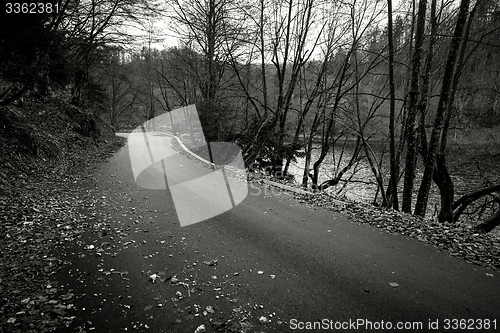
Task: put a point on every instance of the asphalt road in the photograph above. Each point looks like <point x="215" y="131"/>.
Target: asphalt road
<point x="270" y="257"/>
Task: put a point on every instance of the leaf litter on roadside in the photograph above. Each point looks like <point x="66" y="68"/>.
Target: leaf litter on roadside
<point x="39" y="211"/>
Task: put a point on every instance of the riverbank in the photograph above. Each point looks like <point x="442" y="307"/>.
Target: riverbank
<point x="472" y="165"/>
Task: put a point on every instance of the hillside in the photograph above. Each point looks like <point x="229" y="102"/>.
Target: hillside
<point x="45" y="149"/>
<point x="38" y="139"/>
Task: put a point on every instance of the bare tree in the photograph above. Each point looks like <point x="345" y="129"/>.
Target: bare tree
<point x="214" y="29"/>
<point x="413" y="107"/>
<point x="393" y="182"/>
<point x="361" y="15"/>
<point x="89" y="25"/>
<point x="439" y="131"/>
<point x="121" y="99"/>
<point x="285" y="40"/>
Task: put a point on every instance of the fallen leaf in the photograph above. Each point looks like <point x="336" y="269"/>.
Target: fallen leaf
<point x="200" y="329"/>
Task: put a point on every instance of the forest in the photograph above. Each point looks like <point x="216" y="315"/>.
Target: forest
<point x="410" y="89"/>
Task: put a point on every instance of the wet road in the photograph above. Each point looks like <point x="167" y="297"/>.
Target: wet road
<point x="271" y="257"/>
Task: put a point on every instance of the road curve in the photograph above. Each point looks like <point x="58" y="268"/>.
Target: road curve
<point x="272" y="257"/>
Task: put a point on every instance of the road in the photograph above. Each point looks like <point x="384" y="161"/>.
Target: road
<point x="270" y="256"/>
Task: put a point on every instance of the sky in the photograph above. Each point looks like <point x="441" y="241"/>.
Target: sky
<point x="163" y="37"/>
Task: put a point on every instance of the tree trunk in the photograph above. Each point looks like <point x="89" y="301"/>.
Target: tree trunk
<point x="443" y="179"/>
<point x="392" y="199"/>
<point x="314" y="128"/>
<point x="412" y="109"/>
<point x="422" y="106"/>
<point x="446" y="92"/>
<point x="446" y="189"/>
<point x="461" y="204"/>
<point x="354" y="159"/>
<point x="490" y="224"/>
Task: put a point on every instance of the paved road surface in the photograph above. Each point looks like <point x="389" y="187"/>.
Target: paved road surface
<point x="315" y="265"/>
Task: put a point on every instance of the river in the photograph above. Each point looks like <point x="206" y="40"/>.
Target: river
<point x="471" y="167"/>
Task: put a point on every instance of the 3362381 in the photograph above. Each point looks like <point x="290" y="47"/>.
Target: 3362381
<point x="31" y="8"/>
